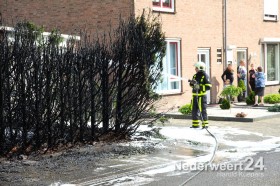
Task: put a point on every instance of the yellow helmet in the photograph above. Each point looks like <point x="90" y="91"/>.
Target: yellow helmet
<point x="200" y="65"/>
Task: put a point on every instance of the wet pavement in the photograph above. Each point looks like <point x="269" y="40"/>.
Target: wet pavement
<point x="163" y="161"/>
<point x="237" y="140"/>
<point x="142" y="169"/>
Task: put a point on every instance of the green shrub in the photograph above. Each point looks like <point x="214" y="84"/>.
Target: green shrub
<point x="272" y="98"/>
<point x="274" y="108"/>
<point x="225" y="104"/>
<point x="163" y="119"/>
<point x="231" y="91"/>
<point x="250" y="100"/>
<point x="186" y="109"/>
<point x="241" y="85"/>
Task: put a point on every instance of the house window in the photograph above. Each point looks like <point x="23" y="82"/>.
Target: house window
<point x="219" y="55"/>
<point x="241" y="55"/>
<point x="270" y="10"/>
<point x="171" y="82"/>
<point x="271" y="62"/>
<point x="163" y="5"/>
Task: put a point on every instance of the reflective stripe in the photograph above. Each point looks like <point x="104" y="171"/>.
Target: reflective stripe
<point x="209" y="85"/>
<point x="195" y="123"/>
<point x="203" y="88"/>
<point x="202" y="79"/>
<point x="201" y="94"/>
<point x="194" y="77"/>
<point x="199" y="104"/>
<point x="205" y="123"/>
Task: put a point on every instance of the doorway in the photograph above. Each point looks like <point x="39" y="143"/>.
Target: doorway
<point x="242" y="55"/>
<point x="203" y="55"/>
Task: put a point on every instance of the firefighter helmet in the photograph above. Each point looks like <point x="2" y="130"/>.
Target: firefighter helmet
<point x="200" y="65"/>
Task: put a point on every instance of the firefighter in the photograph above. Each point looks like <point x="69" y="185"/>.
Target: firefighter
<point x="200" y="84"/>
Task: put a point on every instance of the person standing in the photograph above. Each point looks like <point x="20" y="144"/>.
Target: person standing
<point x="252" y="71"/>
<point x="228" y="74"/>
<point x="259" y="86"/>
<point x="241" y="74"/>
<point x="200" y="84"/>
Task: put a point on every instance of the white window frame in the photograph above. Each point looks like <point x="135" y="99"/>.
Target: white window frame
<point x="9" y="30"/>
<point x="162" y="8"/>
<point x="45" y="35"/>
<point x="264" y="62"/>
<point x="207" y="53"/>
<point x="244" y="50"/>
<point x="171" y="78"/>
<point x="270" y="10"/>
<point x="64" y="37"/>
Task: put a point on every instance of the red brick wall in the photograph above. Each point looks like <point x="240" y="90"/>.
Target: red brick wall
<point x="199" y="24"/>
<point x="198" y="27"/>
<point x="67" y="15"/>
<point x="246" y="27"/>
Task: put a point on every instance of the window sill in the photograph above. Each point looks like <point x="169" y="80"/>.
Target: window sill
<point x="270" y="20"/>
<point x="170" y="93"/>
<point x="164" y="10"/>
<point x="271" y="83"/>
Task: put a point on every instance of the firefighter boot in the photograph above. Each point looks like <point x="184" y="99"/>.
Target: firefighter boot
<point x="195" y="124"/>
<point x="205" y="124"/>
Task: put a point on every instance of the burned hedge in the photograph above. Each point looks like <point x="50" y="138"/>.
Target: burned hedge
<point x="88" y="88"/>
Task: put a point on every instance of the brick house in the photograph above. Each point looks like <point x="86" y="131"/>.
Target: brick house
<point x="195" y="31"/>
<point x="217" y="32"/>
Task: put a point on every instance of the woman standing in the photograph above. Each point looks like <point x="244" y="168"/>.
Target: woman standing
<point x="228" y="75"/>
<point x="241" y="76"/>
<point x="241" y="72"/>
<point x="251" y="78"/>
<point x="260" y="85"/>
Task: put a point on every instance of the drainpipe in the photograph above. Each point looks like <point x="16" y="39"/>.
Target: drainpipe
<point x="225" y="33"/>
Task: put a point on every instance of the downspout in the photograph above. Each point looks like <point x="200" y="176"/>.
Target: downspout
<point x="225" y="33"/>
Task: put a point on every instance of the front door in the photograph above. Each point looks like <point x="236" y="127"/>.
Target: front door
<point x="242" y="55"/>
<point x="203" y="55"/>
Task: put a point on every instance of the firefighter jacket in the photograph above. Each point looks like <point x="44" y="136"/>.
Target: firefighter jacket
<point x="203" y="83"/>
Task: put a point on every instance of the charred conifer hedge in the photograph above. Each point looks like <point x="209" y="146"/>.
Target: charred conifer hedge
<point x="89" y="88"/>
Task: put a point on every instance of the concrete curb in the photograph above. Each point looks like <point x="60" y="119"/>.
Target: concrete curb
<point x="220" y="118"/>
<point x="251" y="107"/>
